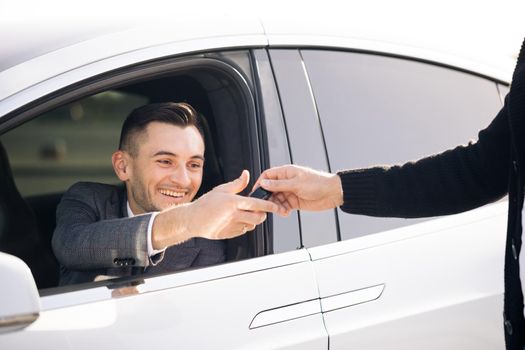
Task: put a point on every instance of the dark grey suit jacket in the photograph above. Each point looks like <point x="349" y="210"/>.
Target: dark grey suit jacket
<point x="94" y="237"/>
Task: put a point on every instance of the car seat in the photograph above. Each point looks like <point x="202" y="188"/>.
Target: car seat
<point x="19" y="234"/>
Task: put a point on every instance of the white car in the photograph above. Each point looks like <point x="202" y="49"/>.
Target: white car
<point x="272" y="94"/>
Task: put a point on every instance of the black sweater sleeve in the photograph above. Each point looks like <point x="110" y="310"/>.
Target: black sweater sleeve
<point x="459" y="179"/>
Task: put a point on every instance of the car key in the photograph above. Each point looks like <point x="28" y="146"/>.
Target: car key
<point x="261" y="193"/>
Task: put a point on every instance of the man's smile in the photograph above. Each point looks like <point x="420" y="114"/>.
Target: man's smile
<point x="173" y="193"/>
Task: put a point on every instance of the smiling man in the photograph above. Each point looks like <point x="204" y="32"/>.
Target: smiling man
<point x="153" y="225"/>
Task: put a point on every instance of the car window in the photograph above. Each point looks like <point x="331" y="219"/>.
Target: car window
<point x="387" y="110"/>
<point x="74" y="142"/>
<point x="71" y="143"/>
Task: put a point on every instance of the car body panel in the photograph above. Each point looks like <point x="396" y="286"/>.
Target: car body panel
<point x="346" y="31"/>
<point x="70" y="64"/>
<point x="435" y="294"/>
<point x="205" y="308"/>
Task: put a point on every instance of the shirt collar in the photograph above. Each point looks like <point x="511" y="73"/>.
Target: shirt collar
<point x="130" y="213"/>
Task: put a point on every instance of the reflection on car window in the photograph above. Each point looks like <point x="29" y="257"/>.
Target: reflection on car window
<point x="385" y="110"/>
<point x="68" y="144"/>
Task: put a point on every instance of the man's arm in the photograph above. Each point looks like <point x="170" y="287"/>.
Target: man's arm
<point x="86" y="239"/>
<point x="219" y="214"/>
<point x="453" y="181"/>
<point x="89" y="233"/>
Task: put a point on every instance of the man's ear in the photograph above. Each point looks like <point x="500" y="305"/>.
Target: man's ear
<point x="121" y="165"/>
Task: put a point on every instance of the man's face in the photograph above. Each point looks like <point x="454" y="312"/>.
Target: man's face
<point x="167" y="169"/>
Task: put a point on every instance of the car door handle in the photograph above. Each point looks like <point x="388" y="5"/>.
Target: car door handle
<point x="351" y="298"/>
<point x="286" y="313"/>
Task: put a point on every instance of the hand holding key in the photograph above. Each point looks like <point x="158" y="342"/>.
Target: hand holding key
<point x="297" y="187"/>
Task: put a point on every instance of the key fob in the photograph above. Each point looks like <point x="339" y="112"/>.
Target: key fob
<point x="261" y="193"/>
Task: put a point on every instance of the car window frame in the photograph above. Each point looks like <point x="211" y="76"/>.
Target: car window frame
<point x="275" y="147"/>
<point x="301" y="115"/>
<point x="217" y="60"/>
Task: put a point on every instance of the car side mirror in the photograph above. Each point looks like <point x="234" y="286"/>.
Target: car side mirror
<point x="20" y="302"/>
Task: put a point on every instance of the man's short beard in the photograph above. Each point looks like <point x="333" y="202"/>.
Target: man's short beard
<point x="140" y="197"/>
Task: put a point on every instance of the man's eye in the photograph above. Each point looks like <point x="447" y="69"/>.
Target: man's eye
<point x="164" y="161"/>
<point x="195" y="165"/>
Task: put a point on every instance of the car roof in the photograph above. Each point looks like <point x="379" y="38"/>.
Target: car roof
<point x="30" y="55"/>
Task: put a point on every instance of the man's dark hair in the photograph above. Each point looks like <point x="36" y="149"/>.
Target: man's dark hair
<point x="180" y="114"/>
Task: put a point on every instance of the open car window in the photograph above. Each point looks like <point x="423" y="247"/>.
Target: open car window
<point x="73" y="139"/>
<point x="71" y="143"/>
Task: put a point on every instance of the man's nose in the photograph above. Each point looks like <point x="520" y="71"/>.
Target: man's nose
<point x="181" y="176"/>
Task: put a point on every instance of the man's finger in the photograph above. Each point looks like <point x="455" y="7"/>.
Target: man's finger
<point x="251" y="219"/>
<point x="288" y="185"/>
<point x="283" y="212"/>
<point x="236" y="185"/>
<point x="281" y="198"/>
<point x="256" y="204"/>
<point x="278" y="172"/>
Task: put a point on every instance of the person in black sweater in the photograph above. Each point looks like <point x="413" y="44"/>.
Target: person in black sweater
<point x="454" y="181"/>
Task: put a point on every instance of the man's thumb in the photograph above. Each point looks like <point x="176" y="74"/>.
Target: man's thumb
<point x="236" y="185"/>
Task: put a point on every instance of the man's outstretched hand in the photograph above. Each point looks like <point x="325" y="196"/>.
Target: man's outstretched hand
<point x="219" y="214"/>
<point x="297" y="187"/>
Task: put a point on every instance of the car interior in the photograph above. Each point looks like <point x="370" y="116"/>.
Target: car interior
<point x="27" y="218"/>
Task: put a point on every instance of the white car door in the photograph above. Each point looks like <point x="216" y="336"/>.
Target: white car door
<point x="262" y="303"/>
<point x="433" y="285"/>
<point x="268" y="302"/>
<point x="399" y="283"/>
